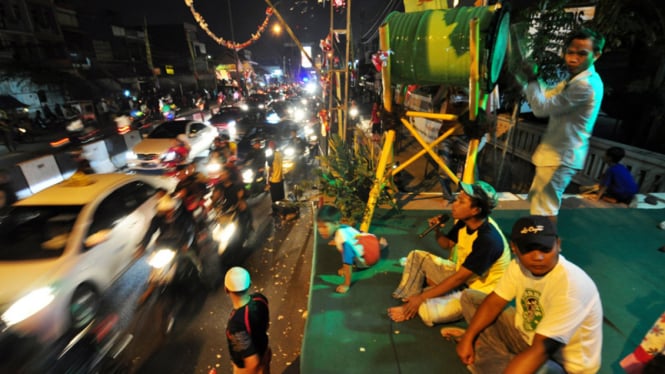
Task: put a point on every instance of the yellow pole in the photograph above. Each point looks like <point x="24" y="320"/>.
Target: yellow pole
<point x="386" y="154"/>
<point x="474" y="94"/>
<point x="437" y="116"/>
<point x="384" y="46"/>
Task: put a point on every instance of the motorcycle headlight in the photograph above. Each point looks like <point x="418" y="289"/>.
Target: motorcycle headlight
<point x="28" y="305"/>
<point x="213" y="167"/>
<point x="269" y="152"/>
<point x="161" y="258"/>
<point x="273" y="118"/>
<point x="248" y="176"/>
<point x="224" y="234"/>
<point x="244" y="107"/>
<point x="354" y="112"/>
<point x="169" y="156"/>
<point x="261" y="106"/>
<point x="289" y="152"/>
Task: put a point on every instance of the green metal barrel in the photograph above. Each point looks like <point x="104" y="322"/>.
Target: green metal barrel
<point x="432" y="47"/>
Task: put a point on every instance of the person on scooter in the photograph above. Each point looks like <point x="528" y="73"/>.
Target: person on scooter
<point x="175" y="224"/>
<point x="256" y="157"/>
<point x="177" y="154"/>
<point x="229" y="193"/>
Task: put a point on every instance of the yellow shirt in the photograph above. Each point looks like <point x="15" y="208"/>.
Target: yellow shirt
<point x="276" y="170"/>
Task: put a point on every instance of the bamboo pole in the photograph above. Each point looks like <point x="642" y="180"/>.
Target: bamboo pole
<point x="384" y="46"/>
<point x="474" y="94"/>
<point x="386" y="154"/>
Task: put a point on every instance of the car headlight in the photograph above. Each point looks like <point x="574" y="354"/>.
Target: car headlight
<point x="248" y="176"/>
<point x="161" y="258"/>
<point x="244" y="107"/>
<point x="298" y="115"/>
<point x="28" y="305"/>
<point x="261" y="106"/>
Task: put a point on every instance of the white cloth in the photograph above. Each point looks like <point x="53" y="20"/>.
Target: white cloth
<point x="563" y="305"/>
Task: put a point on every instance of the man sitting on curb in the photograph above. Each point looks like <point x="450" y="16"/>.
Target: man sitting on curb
<point x="557" y="323"/>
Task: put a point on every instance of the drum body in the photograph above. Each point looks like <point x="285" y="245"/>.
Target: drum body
<point x="432" y="47"/>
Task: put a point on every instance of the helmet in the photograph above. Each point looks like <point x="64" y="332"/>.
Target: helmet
<point x="237" y="279"/>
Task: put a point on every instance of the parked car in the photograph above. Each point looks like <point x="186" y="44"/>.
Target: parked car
<point x="227" y="120"/>
<point x="63" y="247"/>
<point x="153" y="152"/>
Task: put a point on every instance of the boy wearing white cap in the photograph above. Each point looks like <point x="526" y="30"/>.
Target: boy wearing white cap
<point x="247" y="327"/>
<point x="556" y="325"/>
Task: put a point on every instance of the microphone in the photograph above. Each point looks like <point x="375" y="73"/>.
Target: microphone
<point x="442" y="219"/>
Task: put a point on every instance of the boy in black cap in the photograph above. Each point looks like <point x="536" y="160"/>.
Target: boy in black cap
<point x="479" y="255"/>
<point x="557" y="322"/>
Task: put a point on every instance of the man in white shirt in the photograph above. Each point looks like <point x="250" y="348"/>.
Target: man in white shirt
<point x="572" y="107"/>
<point x="557" y="322"/>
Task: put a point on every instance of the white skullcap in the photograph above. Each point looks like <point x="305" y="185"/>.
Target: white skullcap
<point x="237" y="279"/>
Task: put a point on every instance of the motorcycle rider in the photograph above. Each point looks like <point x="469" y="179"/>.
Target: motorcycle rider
<point x="256" y="157"/>
<point x="180" y="151"/>
<point x="224" y="148"/>
<point x="229" y="193"/>
<point x="176" y="225"/>
<point x="299" y="146"/>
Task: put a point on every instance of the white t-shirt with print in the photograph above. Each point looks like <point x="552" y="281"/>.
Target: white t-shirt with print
<point x="563" y="305"/>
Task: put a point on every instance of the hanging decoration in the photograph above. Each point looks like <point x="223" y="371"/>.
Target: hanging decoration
<point x="380" y="59"/>
<point x="223" y="42"/>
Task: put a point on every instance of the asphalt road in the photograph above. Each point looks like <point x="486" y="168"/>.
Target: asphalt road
<point x="280" y="264"/>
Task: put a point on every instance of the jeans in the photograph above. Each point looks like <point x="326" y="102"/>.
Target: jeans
<point x="500" y="342"/>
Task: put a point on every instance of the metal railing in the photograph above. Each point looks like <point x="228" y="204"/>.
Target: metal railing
<point x="648" y="168"/>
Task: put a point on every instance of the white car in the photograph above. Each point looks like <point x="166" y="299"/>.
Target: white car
<point x="152" y="153"/>
<point x="64" y="246"/>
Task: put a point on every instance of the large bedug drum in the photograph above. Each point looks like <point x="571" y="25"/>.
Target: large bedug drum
<point x="432" y="47"/>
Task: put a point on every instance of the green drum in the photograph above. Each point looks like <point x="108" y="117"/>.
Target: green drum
<point x="432" y="47"/>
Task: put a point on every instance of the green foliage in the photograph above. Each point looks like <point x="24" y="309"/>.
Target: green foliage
<point x="348" y="173"/>
<point x="545" y="27"/>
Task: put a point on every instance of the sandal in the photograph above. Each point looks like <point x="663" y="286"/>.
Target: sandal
<point x="452" y="333"/>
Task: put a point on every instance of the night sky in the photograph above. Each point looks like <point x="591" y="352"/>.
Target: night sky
<point x="309" y="20"/>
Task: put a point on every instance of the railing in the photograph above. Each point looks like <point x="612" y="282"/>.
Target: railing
<point x="648" y="168"/>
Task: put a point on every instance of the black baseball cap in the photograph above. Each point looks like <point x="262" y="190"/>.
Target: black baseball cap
<point x="534" y="232"/>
